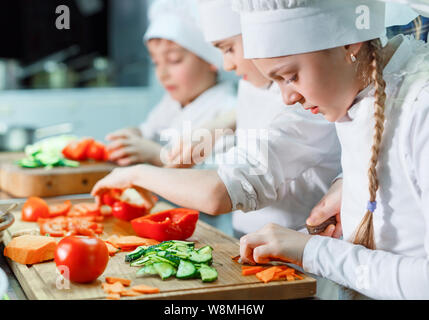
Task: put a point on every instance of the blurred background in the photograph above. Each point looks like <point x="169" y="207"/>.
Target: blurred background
<point x="90" y="79"/>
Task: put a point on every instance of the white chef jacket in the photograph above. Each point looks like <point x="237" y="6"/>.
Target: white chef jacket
<point x="399" y="268"/>
<point x="169" y="114"/>
<point x="302" y="158"/>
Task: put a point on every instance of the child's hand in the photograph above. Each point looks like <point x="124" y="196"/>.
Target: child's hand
<point x="273" y="243"/>
<point x="130" y="149"/>
<point x="329" y="206"/>
<point x="122" y="178"/>
<point x="186" y="154"/>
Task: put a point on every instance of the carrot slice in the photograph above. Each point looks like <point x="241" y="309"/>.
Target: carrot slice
<point x="116" y="287"/>
<point x="112" y="249"/>
<point x="112" y="280"/>
<point x="134" y="241"/>
<point x="131" y="293"/>
<point x="142" y="288"/>
<point x="247" y="271"/>
<point x="113" y="296"/>
<point x="267" y="275"/>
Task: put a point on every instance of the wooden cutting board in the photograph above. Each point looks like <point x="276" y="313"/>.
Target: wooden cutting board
<point x="40" y="280"/>
<point x="25" y="182"/>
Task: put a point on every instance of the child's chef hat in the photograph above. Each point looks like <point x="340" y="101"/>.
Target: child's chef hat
<point x="420" y="7"/>
<point x="399" y="14"/>
<point x="219" y="21"/>
<point x="274" y="28"/>
<point x="178" y="21"/>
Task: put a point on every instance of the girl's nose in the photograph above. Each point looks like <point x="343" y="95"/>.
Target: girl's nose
<point x="290" y="97"/>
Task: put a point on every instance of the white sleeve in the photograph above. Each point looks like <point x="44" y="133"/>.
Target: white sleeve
<point x="156" y="120"/>
<point x="375" y="273"/>
<point x="259" y="171"/>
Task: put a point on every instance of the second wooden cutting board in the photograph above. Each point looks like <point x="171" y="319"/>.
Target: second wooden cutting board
<point x="40" y="182"/>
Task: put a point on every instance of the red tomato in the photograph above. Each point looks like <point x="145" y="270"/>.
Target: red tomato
<point x="127" y="212"/>
<point x="60" y="209"/>
<point x="84" y="258"/>
<point x="96" y="151"/>
<point x="77" y="150"/>
<point x="34" y="208"/>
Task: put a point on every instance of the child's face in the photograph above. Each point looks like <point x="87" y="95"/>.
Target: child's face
<point x="322" y="81"/>
<point x="183" y="74"/>
<point x="233" y="60"/>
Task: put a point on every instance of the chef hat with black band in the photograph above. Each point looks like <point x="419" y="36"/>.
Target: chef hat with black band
<point x="219" y="21"/>
<point x="274" y="28"/>
<point x="179" y="21"/>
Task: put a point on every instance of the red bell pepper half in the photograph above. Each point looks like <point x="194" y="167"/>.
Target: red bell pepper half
<point x="173" y="224"/>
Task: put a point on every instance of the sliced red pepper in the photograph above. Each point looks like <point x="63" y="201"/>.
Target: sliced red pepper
<point x="84" y="209"/>
<point x="174" y="224"/>
<point x="127" y="212"/>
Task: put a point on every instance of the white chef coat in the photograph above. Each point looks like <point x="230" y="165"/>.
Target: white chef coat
<point x="399" y="268"/>
<point x="303" y="157"/>
<point x="169" y="114"/>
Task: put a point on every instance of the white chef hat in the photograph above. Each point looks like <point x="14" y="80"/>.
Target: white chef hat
<point x="399" y="14"/>
<point x="179" y="21"/>
<point x="218" y="20"/>
<point x="417" y="6"/>
<point x="274" y="28"/>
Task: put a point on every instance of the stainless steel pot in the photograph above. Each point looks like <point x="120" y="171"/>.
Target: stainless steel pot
<point x="16" y="137"/>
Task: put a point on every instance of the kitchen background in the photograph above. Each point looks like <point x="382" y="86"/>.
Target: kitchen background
<point x="92" y="78"/>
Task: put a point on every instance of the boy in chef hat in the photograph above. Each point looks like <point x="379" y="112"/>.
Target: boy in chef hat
<point x="327" y="54"/>
<point x="187" y="67"/>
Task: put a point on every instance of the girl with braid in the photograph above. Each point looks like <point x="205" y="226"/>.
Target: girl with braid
<point x="333" y="58"/>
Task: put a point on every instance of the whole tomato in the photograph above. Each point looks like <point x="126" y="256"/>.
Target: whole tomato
<point x="84" y="258"/>
<point x="127" y="212"/>
<point x="34" y="208"/>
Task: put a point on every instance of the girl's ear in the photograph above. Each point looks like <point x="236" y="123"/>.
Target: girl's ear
<point x="353" y="49"/>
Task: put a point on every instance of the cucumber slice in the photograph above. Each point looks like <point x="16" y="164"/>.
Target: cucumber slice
<point x="186" y="270"/>
<point x="201" y="257"/>
<point x="205" y="250"/>
<point x="156" y="258"/>
<point x="134" y="255"/>
<point x="208" y="274"/>
<point x="147" y="269"/>
<point x="164" y="270"/>
<point x="139" y="262"/>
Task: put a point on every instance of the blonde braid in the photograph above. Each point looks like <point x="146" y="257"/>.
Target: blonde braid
<point x="365" y="232"/>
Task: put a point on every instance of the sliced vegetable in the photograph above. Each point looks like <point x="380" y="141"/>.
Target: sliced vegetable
<point x="164" y="270"/>
<point x="145" y="289"/>
<point x="125" y="282"/>
<point x="130" y="242"/>
<point x="60" y="209"/>
<point x="186" y="270"/>
<point x="30" y="249"/>
<point x="77" y="149"/>
<point x="62" y="226"/>
<point x="247" y="271"/>
<point x="174" y="224"/>
<point x="208" y="274"/>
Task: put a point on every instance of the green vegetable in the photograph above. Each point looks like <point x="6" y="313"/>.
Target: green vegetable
<point x="208" y="274"/>
<point x="186" y="270"/>
<point x="47" y="153"/>
<point x="164" y="270"/>
<point x="173" y="257"/>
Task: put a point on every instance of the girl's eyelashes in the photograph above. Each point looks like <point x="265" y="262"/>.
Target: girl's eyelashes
<point x="292" y="79"/>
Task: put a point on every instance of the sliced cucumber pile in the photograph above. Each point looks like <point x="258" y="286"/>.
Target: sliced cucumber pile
<point x="47" y="153"/>
<point x="174" y="258"/>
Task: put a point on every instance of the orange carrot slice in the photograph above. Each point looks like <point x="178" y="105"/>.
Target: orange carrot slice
<point x="131" y="293"/>
<point x="247" y="271"/>
<point x="112" y="280"/>
<point x="116" y="287"/>
<point x="267" y="275"/>
<point x="142" y="288"/>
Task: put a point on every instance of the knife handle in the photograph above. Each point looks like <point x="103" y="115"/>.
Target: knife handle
<point x="318" y="229"/>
